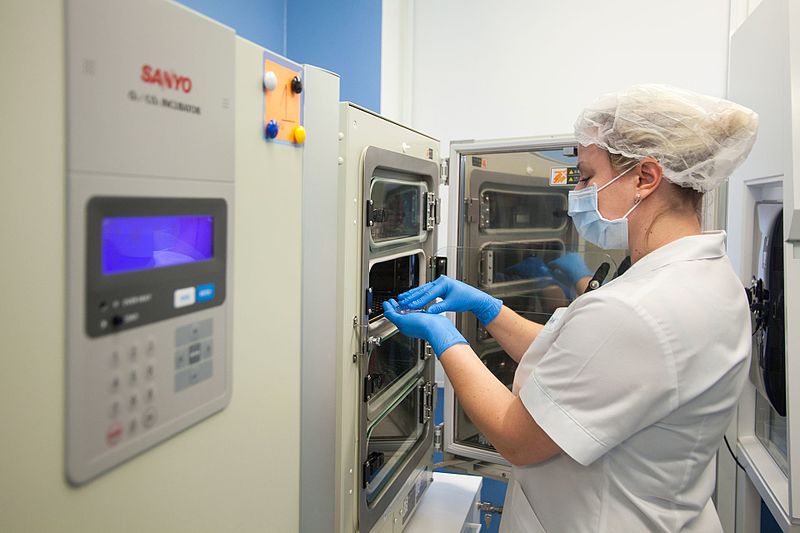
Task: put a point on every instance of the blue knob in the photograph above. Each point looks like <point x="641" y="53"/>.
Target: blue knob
<point x="272" y="129"/>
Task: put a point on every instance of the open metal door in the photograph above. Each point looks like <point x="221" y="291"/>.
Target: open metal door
<point x="508" y="223"/>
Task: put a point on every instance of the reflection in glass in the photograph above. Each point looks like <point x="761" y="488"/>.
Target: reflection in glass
<point x="390" y="361"/>
<point x="507" y="210"/>
<point x="390" y="441"/>
<point x="771" y="431"/>
<point x="397" y="207"/>
<point x="502" y="366"/>
<point x="515" y="262"/>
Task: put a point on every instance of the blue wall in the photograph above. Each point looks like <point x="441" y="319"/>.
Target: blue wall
<point x="343" y="37"/>
<point x="260" y="21"/>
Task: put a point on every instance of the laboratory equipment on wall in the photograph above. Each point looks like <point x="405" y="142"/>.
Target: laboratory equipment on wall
<point x="763" y="238"/>
<point x="508" y="228"/>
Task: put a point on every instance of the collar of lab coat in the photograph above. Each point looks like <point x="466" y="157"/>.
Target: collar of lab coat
<point x="707" y="245"/>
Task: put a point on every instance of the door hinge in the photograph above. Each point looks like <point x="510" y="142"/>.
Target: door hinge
<point x="372" y="215"/>
<point x="371" y="467"/>
<point x="427" y="352"/>
<point x="471" y="206"/>
<point x="432" y="211"/>
<point x="425" y="402"/>
<point x="444" y="171"/>
<point x="487" y="267"/>
<point x="368" y="302"/>
<point x="437" y="267"/>
<point x="372" y="384"/>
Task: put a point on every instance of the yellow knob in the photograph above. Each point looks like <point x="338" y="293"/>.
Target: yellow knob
<point x="299" y="135"/>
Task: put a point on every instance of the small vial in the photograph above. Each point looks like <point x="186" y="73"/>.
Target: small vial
<point x="405" y="311"/>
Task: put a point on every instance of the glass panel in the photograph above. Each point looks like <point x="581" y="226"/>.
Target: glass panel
<point x="771" y="431"/>
<point x="394" y="358"/>
<point x="390" y="441"/>
<point x="506" y="210"/>
<point x="398" y="211"/>
<point x="508" y="263"/>
<point x="519" y="245"/>
<point x="390" y="278"/>
<point x="502" y="366"/>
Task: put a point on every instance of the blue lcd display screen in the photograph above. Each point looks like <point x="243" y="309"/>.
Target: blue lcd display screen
<point x="142" y="243"/>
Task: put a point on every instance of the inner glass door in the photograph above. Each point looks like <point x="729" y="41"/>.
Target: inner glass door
<point x="515" y="238"/>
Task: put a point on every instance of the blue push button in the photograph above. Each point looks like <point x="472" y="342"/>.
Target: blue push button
<point x="205" y="292"/>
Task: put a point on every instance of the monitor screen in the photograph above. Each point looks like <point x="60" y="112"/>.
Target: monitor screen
<point x="142" y="243"/>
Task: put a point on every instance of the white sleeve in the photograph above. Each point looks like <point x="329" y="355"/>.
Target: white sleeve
<point x="608" y="374"/>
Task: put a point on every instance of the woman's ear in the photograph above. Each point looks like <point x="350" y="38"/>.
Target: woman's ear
<point x="650" y="174"/>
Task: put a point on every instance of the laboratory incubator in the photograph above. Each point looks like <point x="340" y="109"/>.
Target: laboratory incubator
<point x="507" y="228"/>
<point x="151" y="373"/>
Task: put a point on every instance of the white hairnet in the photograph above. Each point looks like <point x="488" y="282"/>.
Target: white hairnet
<point x="698" y="140"/>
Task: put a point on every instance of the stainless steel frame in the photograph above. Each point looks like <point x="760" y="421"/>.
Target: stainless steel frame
<point x="378" y="163"/>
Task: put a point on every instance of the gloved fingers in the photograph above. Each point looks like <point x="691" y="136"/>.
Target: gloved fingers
<point x="425" y="297"/>
<point x="438" y="307"/>
<point x="390" y="308"/>
<point x="412" y="294"/>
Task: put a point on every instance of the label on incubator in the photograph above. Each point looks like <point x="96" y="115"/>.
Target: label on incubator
<point x="564" y="176"/>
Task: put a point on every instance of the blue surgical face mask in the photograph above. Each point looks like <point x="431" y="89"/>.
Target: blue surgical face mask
<point x="591" y="225"/>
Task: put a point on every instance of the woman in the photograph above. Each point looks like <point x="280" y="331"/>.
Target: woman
<point x="620" y="401"/>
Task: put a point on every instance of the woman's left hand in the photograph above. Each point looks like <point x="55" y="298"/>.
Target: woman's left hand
<point x="437" y="330"/>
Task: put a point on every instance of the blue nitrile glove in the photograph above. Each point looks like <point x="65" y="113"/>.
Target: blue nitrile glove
<point x="569" y="268"/>
<point x="456" y="296"/>
<point x="437" y="330"/>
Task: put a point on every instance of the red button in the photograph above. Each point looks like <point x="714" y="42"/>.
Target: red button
<point x="114" y="433"/>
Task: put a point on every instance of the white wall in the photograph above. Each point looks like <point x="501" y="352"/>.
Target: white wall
<point x="526" y="67"/>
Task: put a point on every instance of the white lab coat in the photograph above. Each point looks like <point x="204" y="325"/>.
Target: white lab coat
<point x="636" y="382"/>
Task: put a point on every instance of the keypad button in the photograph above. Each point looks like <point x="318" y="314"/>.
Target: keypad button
<point x="150" y="346"/>
<point x="150" y="394"/>
<point x="114" y="433"/>
<point x="193" y="375"/>
<point x="194" y="353"/>
<point x="133" y="401"/>
<point x="194" y="332"/>
<point x="149" y="417"/>
<point x="133" y="377"/>
<point x="150" y="371"/>
<point x="133" y="352"/>
<point x="114" y="385"/>
<point x="114" y="358"/>
<point x="133" y="425"/>
<point x="205" y="349"/>
<point x="181" y="358"/>
<point x="114" y="411"/>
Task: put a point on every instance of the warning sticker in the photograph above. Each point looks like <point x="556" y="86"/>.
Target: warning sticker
<point x="564" y="176"/>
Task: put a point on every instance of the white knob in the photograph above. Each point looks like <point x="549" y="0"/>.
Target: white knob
<point x="270" y="80"/>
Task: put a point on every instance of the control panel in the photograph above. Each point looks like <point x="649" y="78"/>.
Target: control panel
<point x="150" y="186"/>
<point x="283" y="100"/>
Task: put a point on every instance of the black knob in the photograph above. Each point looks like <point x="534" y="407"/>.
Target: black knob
<point x="117" y="320"/>
<point x="297" y="85"/>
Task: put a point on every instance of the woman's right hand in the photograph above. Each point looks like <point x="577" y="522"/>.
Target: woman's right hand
<point x="455" y="295"/>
